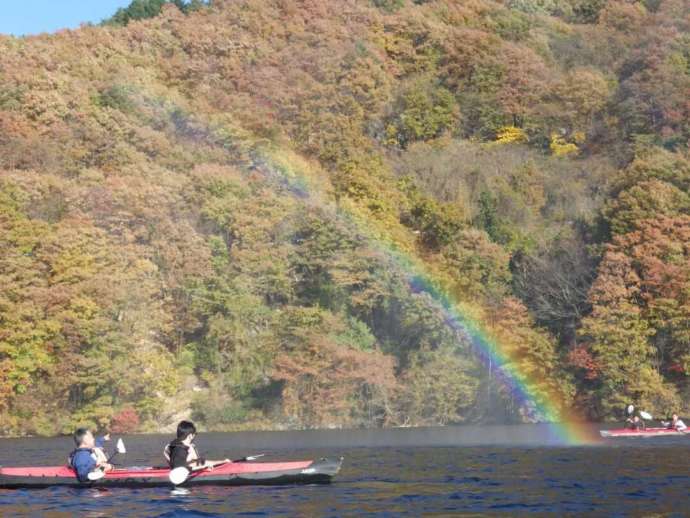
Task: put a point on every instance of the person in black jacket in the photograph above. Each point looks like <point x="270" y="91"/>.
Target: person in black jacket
<point x="182" y="452"/>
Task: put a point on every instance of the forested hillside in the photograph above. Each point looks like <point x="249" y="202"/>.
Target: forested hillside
<point x="210" y="209"/>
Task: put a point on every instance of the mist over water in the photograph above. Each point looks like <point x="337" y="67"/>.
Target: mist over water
<point x="146" y="448"/>
<point x="474" y="435"/>
<point x="477" y="470"/>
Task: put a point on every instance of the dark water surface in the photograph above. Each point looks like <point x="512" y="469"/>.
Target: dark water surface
<point x="412" y="472"/>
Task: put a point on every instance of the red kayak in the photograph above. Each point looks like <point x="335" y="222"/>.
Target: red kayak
<point x="233" y="473"/>
<point x="649" y="432"/>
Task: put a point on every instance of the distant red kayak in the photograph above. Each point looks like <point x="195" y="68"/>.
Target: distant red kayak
<point x="231" y="474"/>
<point x="649" y="432"/>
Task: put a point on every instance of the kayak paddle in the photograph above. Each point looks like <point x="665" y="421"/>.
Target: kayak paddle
<point x="645" y="415"/>
<point x="179" y="475"/>
<point x="249" y="458"/>
<point x="120" y="448"/>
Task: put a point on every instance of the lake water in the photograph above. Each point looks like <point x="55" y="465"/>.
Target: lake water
<point x="496" y="470"/>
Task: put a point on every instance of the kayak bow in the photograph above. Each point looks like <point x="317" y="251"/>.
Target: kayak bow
<point x="231" y="474"/>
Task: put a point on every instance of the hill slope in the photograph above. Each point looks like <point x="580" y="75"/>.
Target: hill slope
<point x="204" y="214"/>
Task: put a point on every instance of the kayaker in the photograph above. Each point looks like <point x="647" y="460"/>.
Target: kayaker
<point x="636" y="423"/>
<point x="85" y="459"/>
<point x="182" y="451"/>
<point x="677" y="424"/>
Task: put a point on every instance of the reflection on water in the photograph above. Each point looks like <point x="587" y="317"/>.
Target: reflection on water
<point x="491" y="470"/>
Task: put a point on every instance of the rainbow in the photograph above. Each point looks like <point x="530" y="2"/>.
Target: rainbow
<point x="549" y="409"/>
<point x="492" y="355"/>
<point x="565" y="428"/>
<point x="290" y="171"/>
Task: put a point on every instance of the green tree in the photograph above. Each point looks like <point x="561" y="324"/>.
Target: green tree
<point x="619" y="338"/>
<point x="141" y="9"/>
<point x="440" y="387"/>
<point x="423" y="112"/>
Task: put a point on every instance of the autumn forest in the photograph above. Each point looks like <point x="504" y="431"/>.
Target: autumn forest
<point x="212" y="210"/>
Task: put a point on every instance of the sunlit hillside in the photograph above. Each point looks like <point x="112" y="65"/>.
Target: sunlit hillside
<point x="224" y="213"/>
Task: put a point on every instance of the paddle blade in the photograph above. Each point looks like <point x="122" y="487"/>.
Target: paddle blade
<point x="121" y="446"/>
<point x="178" y="475"/>
<point x="630" y="409"/>
<point x="645" y="415"/>
<point x="95" y="475"/>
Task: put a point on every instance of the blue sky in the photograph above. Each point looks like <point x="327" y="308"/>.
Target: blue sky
<point x="21" y="17"/>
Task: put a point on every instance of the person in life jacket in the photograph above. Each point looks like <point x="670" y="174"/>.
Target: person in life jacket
<point x="636" y="423"/>
<point x="677" y="424"/>
<point x="182" y="452"/>
<point x="629" y="414"/>
<point x="87" y="457"/>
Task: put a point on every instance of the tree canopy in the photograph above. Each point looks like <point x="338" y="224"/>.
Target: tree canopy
<point x="215" y="209"/>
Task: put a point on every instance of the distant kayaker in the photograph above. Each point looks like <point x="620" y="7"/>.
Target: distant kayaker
<point x="182" y="451"/>
<point x="86" y="459"/>
<point x="677" y="424"/>
<point x="635" y="423"/>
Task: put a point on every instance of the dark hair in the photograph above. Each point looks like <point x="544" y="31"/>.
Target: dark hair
<point x="185" y="429"/>
<point x="79" y="434"/>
